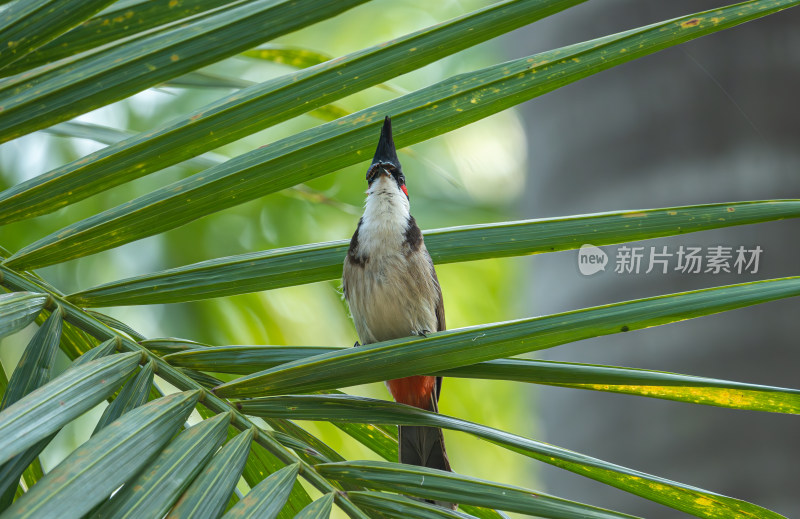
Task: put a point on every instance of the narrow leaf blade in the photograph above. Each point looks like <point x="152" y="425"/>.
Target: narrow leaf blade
<point x="319" y="509"/>
<point x="264" y="105"/>
<point x="245" y="360"/>
<point x="27" y="25"/>
<point x="110" y="26"/>
<point x="48" y="408"/>
<point x="153" y="492"/>
<point x="437" y="484"/>
<point x="36" y="365"/>
<point x="454" y="348"/>
<point x="63" y="91"/>
<point x="696" y="501"/>
<point x="26" y="463"/>
<point x="278" y="268"/>
<point x="640" y="382"/>
<point x="133" y="394"/>
<point x="401" y="507"/>
<point x="18" y="310"/>
<point x="209" y="493"/>
<point x="101" y="350"/>
<point x="98" y="467"/>
<point x="268" y="497"/>
<point x="260" y="464"/>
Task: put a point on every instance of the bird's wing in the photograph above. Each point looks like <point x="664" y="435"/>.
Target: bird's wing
<point x="440" y="324"/>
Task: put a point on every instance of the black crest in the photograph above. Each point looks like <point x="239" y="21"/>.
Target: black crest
<point x="385" y="153"/>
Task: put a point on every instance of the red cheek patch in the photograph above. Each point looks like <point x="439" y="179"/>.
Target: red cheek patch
<point x="403" y="187"/>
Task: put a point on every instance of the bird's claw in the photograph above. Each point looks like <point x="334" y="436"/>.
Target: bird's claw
<point x="356" y="345"/>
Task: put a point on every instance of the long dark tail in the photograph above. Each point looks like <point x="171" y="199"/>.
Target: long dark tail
<point x="423" y="446"/>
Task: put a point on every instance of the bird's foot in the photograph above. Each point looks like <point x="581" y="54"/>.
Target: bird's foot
<point x="356" y="345"/>
<point x="421" y="333"/>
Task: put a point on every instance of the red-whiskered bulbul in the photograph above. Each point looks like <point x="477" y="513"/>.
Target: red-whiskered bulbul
<point x="391" y="287"/>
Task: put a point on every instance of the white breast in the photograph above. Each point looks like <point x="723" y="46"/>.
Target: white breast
<point x="386" y="214"/>
<point x="393" y="293"/>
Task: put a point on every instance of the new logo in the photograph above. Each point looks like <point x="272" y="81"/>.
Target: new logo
<point x="591" y="259"/>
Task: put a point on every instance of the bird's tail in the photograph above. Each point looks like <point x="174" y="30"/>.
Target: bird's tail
<point x="422" y="446"/>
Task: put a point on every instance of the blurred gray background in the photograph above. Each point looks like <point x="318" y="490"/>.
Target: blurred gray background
<point x="715" y="120"/>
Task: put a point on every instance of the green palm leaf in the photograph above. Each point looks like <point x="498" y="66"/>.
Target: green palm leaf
<point x="243" y="360"/>
<point x="267" y="498"/>
<point x="436" y="484"/>
<point x="95" y="469"/>
<point x="132" y="395"/>
<point x="317" y="262"/>
<point x="18" y="310"/>
<point x="47" y="409"/>
<point x="153" y="492"/>
<point x="208" y="494"/>
<point x="58" y="93"/>
<point x="455" y="348"/>
<point x="27" y="464"/>
<point x="99" y="351"/>
<point x="319" y="509"/>
<point x="113" y="24"/>
<point x="33" y="370"/>
<point x="264" y="105"/>
<point x="354" y="409"/>
<point x="260" y="464"/>
<point x="641" y="382"/>
<point x="392" y="505"/>
<point x="418" y="116"/>
<point x="35" y="367"/>
<point x="27" y="25"/>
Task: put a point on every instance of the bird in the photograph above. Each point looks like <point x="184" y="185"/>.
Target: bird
<point x="391" y="287"/>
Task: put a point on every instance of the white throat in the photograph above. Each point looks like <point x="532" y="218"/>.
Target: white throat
<point x="385" y="219"/>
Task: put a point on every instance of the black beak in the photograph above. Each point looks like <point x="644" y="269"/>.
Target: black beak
<point x="386" y="154"/>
